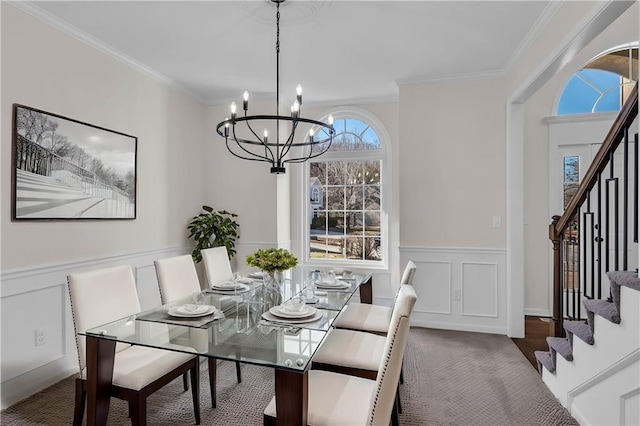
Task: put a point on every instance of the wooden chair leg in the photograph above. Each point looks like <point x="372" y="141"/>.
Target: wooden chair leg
<point x="212" y="380"/>
<point x="238" y="372"/>
<point x="395" y="421"/>
<point x="195" y="389"/>
<point x="81" y="398"/>
<point x="268" y="421"/>
<point x="138" y="410"/>
<point x="185" y="382"/>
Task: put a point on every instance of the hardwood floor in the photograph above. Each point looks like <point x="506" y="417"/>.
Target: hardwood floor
<point x="536" y="330"/>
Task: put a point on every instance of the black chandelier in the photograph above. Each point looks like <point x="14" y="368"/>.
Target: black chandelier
<point x="315" y="143"/>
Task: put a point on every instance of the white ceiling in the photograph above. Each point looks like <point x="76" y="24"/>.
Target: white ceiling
<point x="340" y="51"/>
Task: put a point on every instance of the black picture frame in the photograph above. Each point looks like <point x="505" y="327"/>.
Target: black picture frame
<point x="65" y="169"/>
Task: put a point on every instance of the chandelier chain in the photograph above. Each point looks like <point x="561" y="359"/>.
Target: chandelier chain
<point x="277" y="76"/>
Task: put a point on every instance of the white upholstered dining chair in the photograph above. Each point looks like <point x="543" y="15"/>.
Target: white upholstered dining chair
<point x="105" y="295"/>
<point x="217" y="266"/>
<point x="356" y="353"/>
<point x="340" y="399"/>
<point x="177" y="279"/>
<point x="368" y="317"/>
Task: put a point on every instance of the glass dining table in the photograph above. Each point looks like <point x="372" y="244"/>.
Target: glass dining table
<point x="241" y="329"/>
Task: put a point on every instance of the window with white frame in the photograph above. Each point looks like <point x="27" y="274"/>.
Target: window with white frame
<point x="346" y="220"/>
<point x="602" y="85"/>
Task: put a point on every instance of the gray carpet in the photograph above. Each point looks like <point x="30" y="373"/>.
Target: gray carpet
<point x="451" y="378"/>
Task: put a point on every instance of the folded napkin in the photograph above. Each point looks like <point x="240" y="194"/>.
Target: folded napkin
<point x="193" y="309"/>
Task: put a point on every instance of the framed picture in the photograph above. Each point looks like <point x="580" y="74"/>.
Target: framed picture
<point x="66" y="169"/>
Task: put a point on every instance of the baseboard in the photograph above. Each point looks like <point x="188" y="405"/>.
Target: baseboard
<point x="578" y="415"/>
<point x="458" y="327"/>
<point x="537" y="313"/>
<point x="22" y="387"/>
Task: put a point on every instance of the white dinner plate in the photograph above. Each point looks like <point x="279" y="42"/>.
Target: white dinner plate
<point x="191" y="311"/>
<point x="229" y="285"/>
<point x="315" y="317"/>
<point x="279" y="311"/>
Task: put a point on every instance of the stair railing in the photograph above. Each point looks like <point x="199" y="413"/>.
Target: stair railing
<point x="593" y="235"/>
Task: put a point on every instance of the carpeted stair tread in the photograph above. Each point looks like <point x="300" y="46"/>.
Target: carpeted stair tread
<point x="580" y="329"/>
<point x="562" y="346"/>
<point x="626" y="278"/>
<point x="622" y="278"/>
<point x="545" y="359"/>
<point x="603" y="308"/>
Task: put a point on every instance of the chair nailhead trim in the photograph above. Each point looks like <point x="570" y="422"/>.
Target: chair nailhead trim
<point x="75" y="328"/>
<point x="384" y="371"/>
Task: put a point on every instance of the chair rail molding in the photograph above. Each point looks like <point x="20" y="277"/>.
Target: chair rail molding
<point x="459" y="288"/>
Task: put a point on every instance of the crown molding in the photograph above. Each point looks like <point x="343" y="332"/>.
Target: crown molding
<point x="39" y="13"/>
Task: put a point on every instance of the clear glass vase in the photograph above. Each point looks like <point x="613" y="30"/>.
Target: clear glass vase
<point x="272" y="288"/>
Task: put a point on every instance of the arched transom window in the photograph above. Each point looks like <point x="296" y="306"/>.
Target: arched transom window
<point x="602" y="85"/>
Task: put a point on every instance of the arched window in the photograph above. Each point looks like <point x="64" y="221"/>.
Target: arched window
<point x="602" y="85"/>
<point x="349" y="223"/>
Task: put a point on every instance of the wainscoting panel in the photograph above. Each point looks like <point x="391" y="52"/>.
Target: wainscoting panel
<point x="37" y="298"/>
<point x="437" y="298"/>
<point x="22" y="315"/>
<point x="480" y="289"/>
<point x="459" y="288"/>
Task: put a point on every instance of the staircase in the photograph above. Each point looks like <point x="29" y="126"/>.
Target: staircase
<point x="595" y="370"/>
<point x="593" y="362"/>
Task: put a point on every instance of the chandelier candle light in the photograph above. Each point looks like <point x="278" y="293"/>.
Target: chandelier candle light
<point x="317" y="142"/>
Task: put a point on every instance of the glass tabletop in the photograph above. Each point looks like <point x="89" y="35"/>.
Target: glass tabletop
<point x="237" y="325"/>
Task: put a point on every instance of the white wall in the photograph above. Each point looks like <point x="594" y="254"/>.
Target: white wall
<point x="47" y="69"/>
<point x="452" y="184"/>
<point x="452" y="178"/>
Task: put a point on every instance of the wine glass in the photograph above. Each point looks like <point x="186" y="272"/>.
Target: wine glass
<point x="196" y="297"/>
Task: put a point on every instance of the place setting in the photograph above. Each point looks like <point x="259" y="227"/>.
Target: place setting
<point x="237" y="285"/>
<point x="329" y="281"/>
<point x="194" y="314"/>
<point x="294" y="311"/>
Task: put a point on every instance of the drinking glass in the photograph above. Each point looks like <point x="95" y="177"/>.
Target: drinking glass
<point x="196" y="297"/>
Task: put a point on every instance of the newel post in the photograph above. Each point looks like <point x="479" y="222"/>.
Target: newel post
<point x="556" y="239"/>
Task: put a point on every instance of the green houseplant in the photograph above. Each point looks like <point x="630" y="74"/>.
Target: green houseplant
<point x="213" y="229"/>
<point x="273" y="262"/>
<point x="272" y="259"/>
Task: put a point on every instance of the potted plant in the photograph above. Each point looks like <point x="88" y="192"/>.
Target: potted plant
<point x="213" y="229"/>
<point x="272" y="262"/>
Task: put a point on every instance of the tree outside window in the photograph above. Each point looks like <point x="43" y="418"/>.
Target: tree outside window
<point x="347" y="225"/>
